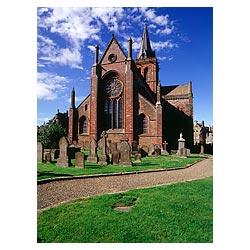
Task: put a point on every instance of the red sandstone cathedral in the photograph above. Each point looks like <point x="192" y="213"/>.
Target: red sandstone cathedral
<point x="127" y="100"/>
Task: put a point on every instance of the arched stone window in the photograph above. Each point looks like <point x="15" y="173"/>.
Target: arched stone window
<point x="143" y="124"/>
<point x="113" y="113"/>
<point x="83" y="125"/>
<point x="113" y="105"/>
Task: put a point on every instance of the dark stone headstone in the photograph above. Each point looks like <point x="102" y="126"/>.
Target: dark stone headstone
<point x="63" y="159"/>
<point x="144" y="151"/>
<point x="115" y="157"/>
<point x="125" y="153"/>
<point x="72" y="149"/>
<point x="92" y="151"/>
<point x="39" y="152"/>
<point x="134" y="147"/>
<point x="79" y="160"/>
<point x="56" y="153"/>
<point x="48" y="157"/>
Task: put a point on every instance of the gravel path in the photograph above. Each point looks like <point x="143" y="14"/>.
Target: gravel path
<point x="56" y="192"/>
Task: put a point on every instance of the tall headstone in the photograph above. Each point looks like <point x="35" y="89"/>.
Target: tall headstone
<point x="103" y="146"/>
<point x="63" y="159"/>
<point x="92" y="151"/>
<point x="115" y="157"/>
<point x="203" y="135"/>
<point x="39" y="152"/>
<point x="181" y="142"/>
<point x="79" y="160"/>
<point x="125" y="153"/>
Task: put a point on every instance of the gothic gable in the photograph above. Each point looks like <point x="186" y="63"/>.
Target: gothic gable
<point x="113" y="53"/>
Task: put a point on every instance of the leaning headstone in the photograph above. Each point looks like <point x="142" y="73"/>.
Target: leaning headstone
<point x="39" y="152"/>
<point x="115" y="157"/>
<point x="63" y="159"/>
<point x="104" y="157"/>
<point x="92" y="151"/>
<point x="125" y="152"/>
<point x="144" y="151"/>
<point x="151" y="149"/>
<point x="79" y="160"/>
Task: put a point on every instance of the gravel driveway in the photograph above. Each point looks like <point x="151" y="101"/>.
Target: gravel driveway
<point x="60" y="191"/>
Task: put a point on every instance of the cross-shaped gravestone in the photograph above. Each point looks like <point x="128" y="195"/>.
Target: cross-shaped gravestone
<point x="165" y="145"/>
<point x="164" y="151"/>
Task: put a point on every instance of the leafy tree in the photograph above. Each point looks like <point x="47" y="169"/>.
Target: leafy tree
<point x="50" y="134"/>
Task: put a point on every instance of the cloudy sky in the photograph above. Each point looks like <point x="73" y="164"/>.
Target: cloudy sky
<point x="66" y="37"/>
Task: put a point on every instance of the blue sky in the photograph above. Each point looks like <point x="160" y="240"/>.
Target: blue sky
<point x="181" y="37"/>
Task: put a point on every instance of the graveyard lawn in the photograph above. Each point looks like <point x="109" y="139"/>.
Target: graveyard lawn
<point x="177" y="213"/>
<point x="50" y="170"/>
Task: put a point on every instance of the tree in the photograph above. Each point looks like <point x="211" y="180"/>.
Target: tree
<point x="50" y="134"/>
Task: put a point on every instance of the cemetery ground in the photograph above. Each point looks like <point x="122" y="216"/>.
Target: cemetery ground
<point x="50" y="170"/>
<point x="178" y="213"/>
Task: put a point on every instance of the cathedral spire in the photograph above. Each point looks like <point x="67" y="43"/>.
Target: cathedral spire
<point x="145" y="48"/>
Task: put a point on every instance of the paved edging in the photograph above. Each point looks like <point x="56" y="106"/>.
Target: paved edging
<point x="63" y="178"/>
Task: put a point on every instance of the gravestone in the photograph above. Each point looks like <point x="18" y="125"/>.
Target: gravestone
<point x="48" y="157"/>
<point x="151" y="149"/>
<point x="164" y="151"/>
<point x="56" y="153"/>
<point x="113" y="147"/>
<point x="79" y="160"/>
<point x="134" y="147"/>
<point x="125" y="153"/>
<point x="102" y="144"/>
<point x="181" y="142"/>
<point x="72" y="149"/>
<point x="144" y="151"/>
<point x="183" y="152"/>
<point x="138" y="157"/>
<point x="63" y="159"/>
<point x="39" y="152"/>
<point x="115" y="157"/>
<point x="92" y="151"/>
<point x="157" y="152"/>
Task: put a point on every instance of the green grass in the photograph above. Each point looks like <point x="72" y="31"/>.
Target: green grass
<point x="46" y="170"/>
<point x="177" y="213"/>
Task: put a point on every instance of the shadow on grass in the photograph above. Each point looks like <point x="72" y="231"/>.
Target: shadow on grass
<point x="50" y="175"/>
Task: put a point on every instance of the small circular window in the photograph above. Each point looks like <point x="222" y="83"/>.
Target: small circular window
<point x="112" y="58"/>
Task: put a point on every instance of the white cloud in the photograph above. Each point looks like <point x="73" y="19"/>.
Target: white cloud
<point x="50" y="53"/>
<point x="163" y="45"/>
<point x="50" y="85"/>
